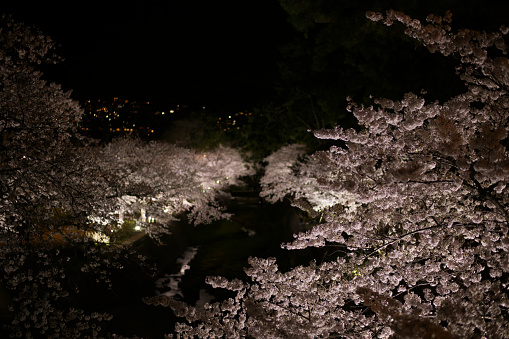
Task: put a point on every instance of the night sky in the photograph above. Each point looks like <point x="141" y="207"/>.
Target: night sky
<point x="221" y="53"/>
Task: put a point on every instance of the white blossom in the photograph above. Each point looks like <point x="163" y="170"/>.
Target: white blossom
<point x="416" y="204"/>
<point x="164" y="179"/>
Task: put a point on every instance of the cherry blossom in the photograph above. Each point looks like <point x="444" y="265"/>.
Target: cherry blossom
<point x="163" y="180"/>
<point x="48" y="189"/>
<point x="417" y="216"/>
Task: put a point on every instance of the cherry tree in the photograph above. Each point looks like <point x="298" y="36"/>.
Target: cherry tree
<point x="417" y="218"/>
<point x="216" y="171"/>
<point x="162" y="180"/>
<point x="49" y="188"/>
<point x="290" y="172"/>
<point x="281" y="172"/>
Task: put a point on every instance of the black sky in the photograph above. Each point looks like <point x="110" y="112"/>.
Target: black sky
<point x="174" y="51"/>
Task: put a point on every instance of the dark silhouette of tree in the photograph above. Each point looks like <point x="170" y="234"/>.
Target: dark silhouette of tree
<point x="335" y="53"/>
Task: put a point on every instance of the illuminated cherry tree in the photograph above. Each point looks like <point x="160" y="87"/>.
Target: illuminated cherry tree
<point x="48" y="189"/>
<point x="289" y="172"/>
<point x="160" y="180"/>
<point x="281" y="172"/>
<point x="417" y="218"/>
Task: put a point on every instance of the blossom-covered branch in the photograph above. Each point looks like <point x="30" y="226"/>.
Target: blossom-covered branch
<point x="417" y="198"/>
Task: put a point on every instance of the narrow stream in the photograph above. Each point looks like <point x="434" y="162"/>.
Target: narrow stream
<point x="190" y="254"/>
<point x="223" y="248"/>
<point x="169" y="284"/>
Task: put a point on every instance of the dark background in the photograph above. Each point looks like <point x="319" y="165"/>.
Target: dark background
<point x="177" y="51"/>
<point x="292" y="63"/>
<point x="222" y="52"/>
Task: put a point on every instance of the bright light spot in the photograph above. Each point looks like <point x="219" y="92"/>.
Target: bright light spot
<point x="217" y="181"/>
<point x="99" y="237"/>
<point x="172" y="111"/>
<point x="162" y="113"/>
<point x="137" y="228"/>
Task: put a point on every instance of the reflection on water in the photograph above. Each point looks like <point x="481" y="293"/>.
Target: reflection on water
<point x="169" y="284"/>
<point x="223" y="248"/>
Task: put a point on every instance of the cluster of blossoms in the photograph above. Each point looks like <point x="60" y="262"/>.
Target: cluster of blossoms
<point x="289" y="172"/>
<point x="47" y="188"/>
<point x="418" y="215"/>
<point x="164" y="180"/>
